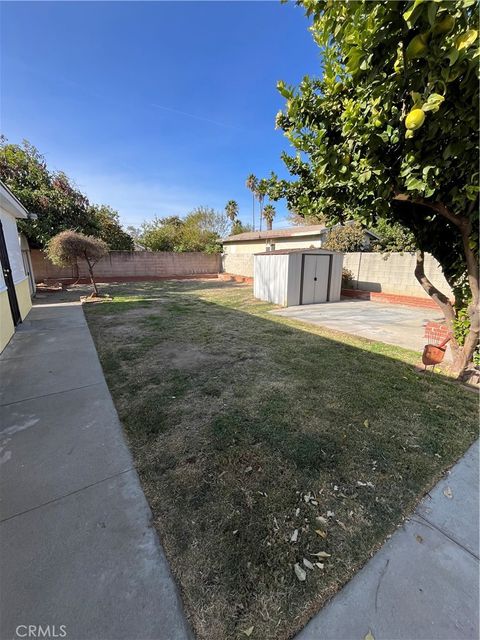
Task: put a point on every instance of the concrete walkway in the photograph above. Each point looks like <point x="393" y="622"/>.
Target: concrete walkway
<point x="394" y="324"/>
<point x="423" y="583"/>
<point x="76" y="543"/>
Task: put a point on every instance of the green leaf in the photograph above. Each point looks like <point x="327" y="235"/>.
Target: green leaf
<point x="452" y="56"/>
<point x="431" y="12"/>
<point x="433" y="102"/>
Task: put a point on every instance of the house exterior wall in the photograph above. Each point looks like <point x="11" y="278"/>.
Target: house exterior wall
<point x="6" y="323"/>
<point x="20" y="280"/>
<point x="393" y="273"/>
<point x="256" y="246"/>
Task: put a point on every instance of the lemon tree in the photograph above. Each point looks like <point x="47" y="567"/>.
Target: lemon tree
<point x="389" y="131"/>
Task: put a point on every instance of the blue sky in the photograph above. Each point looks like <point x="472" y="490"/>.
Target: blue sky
<point x="153" y="107"/>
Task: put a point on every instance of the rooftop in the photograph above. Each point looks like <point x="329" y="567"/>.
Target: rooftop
<point x="308" y="230"/>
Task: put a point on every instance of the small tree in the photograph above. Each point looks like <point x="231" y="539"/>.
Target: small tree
<point x="345" y="239"/>
<point x="392" y="237"/>
<point x="389" y="129"/>
<point x="68" y="246"/>
<point x="239" y="227"/>
<point x="109" y="228"/>
<point x="269" y="214"/>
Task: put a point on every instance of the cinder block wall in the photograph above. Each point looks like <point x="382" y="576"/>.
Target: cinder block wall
<point x="393" y="273"/>
<point x="239" y="264"/>
<point x="386" y="273"/>
<point x="118" y="264"/>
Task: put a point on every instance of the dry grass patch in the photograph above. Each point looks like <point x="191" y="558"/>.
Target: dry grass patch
<point x="261" y="442"/>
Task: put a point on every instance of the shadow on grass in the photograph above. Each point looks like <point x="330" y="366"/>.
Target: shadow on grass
<point x="246" y="427"/>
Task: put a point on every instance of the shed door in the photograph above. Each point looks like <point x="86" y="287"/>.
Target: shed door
<point x="316" y="269"/>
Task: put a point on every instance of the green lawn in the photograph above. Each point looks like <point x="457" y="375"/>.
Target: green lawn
<point x="247" y="427"/>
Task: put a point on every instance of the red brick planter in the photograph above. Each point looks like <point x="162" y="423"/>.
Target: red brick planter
<point x="390" y="298"/>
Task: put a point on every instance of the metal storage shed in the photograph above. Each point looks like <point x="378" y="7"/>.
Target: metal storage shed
<point x="297" y="276"/>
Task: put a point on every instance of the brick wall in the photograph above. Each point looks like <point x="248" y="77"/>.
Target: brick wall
<point x="131" y="264"/>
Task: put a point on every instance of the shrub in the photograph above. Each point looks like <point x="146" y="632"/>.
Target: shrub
<point x="347" y="278"/>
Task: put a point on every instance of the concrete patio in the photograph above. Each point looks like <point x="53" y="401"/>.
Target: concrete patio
<point x="394" y="324"/>
<point x="77" y="545"/>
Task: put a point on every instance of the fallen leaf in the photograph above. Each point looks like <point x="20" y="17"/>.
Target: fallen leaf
<point x="294" y="536"/>
<point x="320" y="565"/>
<point x="248" y="632"/>
<point x="341" y="524"/>
<point x="308" y="564"/>
<point x="369" y="636"/>
<point x="366" y="423"/>
<point x="321" y="520"/>
<point x="448" y="493"/>
<point x="300" y="573"/>
<point x="321" y="554"/>
<point x="365" y="484"/>
<point x="320" y="533"/>
<point x="330" y="514"/>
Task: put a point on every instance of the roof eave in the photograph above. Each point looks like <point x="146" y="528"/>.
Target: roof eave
<point x="12" y="204"/>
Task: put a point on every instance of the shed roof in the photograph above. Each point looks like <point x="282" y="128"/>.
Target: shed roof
<point x="279" y="252"/>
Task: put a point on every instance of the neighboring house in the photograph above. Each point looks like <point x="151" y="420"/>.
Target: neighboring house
<point x="239" y="249"/>
<point x="15" y="280"/>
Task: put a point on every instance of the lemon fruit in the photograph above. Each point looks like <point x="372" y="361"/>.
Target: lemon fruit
<point x="445" y="25"/>
<point x="417" y="47"/>
<point x="414" y="119"/>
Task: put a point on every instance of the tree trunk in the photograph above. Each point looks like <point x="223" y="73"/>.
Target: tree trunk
<point x="92" y="279"/>
<point x="462" y="354"/>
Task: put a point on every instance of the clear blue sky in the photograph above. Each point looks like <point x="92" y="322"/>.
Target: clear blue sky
<point x="153" y="107"/>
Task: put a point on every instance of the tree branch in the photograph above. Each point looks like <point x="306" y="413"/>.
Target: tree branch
<point x="436" y="295"/>
<point x="438" y="207"/>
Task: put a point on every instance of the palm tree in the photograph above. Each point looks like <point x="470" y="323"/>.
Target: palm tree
<point x="231" y="209"/>
<point x="252" y="183"/>
<point x="261" y="192"/>
<point x="269" y="214"/>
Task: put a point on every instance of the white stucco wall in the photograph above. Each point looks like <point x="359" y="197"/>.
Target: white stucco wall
<point x="256" y="246"/>
<point x="12" y="240"/>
